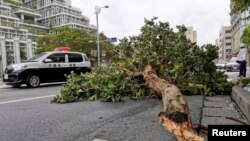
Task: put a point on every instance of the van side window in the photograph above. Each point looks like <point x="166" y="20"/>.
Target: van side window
<point x="86" y="58"/>
<point x="75" y="57"/>
<point x="58" y="58"/>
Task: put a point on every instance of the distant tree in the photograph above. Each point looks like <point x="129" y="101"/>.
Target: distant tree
<point x="240" y="5"/>
<point x="246" y="36"/>
<point x="77" y="39"/>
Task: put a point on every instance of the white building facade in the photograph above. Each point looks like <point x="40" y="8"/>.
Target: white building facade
<point x="225" y="43"/>
<point x="191" y="34"/>
<point x="238" y="26"/>
<point x="22" y="21"/>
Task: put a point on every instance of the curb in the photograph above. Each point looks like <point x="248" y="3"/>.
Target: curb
<point x="242" y="99"/>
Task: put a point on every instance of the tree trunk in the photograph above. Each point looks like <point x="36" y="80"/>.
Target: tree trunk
<point x="176" y="116"/>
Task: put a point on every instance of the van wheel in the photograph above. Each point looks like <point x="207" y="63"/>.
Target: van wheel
<point x="33" y="81"/>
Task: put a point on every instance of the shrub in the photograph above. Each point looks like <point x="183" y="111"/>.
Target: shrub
<point x="105" y="85"/>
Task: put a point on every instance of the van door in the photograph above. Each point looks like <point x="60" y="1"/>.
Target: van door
<point x="55" y="69"/>
<point x="75" y="60"/>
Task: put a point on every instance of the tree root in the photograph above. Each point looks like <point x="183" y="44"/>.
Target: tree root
<point x="182" y="131"/>
<point x="200" y="127"/>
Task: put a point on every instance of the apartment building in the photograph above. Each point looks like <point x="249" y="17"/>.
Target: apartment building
<point x="238" y="26"/>
<point x="218" y="47"/>
<point x="224" y="43"/>
<point x="191" y="34"/>
<point x="22" y="21"/>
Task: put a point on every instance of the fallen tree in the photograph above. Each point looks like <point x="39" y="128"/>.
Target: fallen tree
<point x="159" y="62"/>
<point x="176" y="116"/>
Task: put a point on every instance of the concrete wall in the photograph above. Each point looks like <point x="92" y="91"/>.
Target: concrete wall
<point x="242" y="99"/>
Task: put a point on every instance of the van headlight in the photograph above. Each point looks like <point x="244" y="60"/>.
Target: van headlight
<point x="17" y="68"/>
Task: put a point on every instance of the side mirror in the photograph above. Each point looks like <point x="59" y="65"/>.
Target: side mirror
<point x="47" y="61"/>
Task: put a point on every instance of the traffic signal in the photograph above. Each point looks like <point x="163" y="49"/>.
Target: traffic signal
<point x="111" y="40"/>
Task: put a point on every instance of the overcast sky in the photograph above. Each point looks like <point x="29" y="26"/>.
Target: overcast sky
<point x="125" y="17"/>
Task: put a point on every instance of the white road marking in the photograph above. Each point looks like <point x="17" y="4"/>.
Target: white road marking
<point x="98" y="140"/>
<point x="26" y="99"/>
<point x="4" y="86"/>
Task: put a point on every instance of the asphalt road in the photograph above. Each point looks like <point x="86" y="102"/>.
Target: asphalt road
<point x="28" y="115"/>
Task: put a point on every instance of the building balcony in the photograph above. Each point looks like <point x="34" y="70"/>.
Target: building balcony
<point x="35" y="25"/>
<point x="27" y="13"/>
<point x="25" y="9"/>
<point x="12" y="3"/>
<point x="8" y="24"/>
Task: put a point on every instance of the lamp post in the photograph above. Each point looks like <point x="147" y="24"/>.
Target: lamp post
<point x="97" y="11"/>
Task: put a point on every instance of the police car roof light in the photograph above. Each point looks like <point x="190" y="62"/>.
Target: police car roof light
<point x="62" y="49"/>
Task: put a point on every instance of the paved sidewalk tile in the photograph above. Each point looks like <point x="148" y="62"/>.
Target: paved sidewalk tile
<point x="213" y="104"/>
<point x="221" y="110"/>
<point x="218" y="121"/>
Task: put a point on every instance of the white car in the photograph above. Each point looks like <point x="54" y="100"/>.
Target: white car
<point x="232" y="65"/>
<point x="46" y="67"/>
<point x="221" y="64"/>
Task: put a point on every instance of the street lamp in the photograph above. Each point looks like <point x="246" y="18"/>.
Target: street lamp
<point x="97" y="11"/>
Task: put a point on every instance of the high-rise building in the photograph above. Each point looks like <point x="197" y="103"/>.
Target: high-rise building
<point x="22" y="21"/>
<point x="238" y="26"/>
<point x="224" y="43"/>
<point x="218" y="47"/>
<point x="191" y="34"/>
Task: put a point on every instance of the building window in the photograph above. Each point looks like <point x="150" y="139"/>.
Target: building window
<point x="9" y="53"/>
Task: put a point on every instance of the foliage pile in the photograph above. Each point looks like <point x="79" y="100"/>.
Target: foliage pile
<point x="174" y="58"/>
<point x="105" y="85"/>
<point x="171" y="55"/>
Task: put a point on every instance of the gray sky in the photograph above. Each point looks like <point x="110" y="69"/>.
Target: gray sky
<point x="126" y="17"/>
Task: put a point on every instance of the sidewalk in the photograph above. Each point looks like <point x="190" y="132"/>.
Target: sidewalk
<point x="221" y="110"/>
<point x="1" y="82"/>
<point x="226" y="109"/>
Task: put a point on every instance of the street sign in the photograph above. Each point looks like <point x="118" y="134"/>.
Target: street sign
<point x="113" y="39"/>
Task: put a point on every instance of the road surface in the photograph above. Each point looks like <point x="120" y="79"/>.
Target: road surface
<point x="28" y="115"/>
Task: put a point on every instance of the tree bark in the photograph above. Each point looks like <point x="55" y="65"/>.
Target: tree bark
<point x="176" y="116"/>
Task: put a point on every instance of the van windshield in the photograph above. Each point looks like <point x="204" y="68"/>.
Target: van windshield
<point x="37" y="58"/>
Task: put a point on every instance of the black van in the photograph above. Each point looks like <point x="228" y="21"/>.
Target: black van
<point x="46" y="67"/>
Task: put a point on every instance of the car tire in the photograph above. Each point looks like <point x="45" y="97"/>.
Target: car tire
<point x="33" y="81"/>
